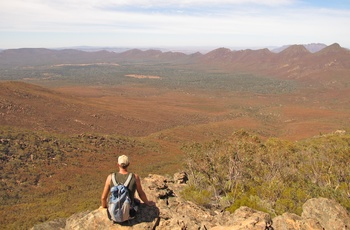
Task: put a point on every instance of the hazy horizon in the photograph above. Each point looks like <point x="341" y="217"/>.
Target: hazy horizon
<point x="185" y="49"/>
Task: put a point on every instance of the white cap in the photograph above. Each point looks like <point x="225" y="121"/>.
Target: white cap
<point x="123" y="160"/>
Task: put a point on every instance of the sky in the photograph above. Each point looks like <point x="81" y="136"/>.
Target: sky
<point x="173" y="23"/>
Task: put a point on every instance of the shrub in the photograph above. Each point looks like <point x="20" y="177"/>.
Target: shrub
<point x="200" y="197"/>
<point x="274" y="175"/>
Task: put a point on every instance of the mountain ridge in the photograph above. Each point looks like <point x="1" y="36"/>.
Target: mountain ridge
<point x="10" y="54"/>
<point x="244" y="60"/>
<point x="312" y="47"/>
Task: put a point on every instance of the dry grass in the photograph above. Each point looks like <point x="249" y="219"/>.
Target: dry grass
<point x="136" y="110"/>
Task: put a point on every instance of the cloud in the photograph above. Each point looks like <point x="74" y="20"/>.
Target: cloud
<point x="80" y="15"/>
<point x="169" y="3"/>
<point x="213" y="21"/>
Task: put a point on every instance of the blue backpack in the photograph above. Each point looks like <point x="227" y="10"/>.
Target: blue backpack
<point x="119" y="202"/>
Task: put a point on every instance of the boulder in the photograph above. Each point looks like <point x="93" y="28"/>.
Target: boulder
<point x="329" y="213"/>
<point x="181" y="177"/>
<point x="318" y="214"/>
<point x="246" y="218"/>
<point x="98" y="219"/>
<point x="291" y="221"/>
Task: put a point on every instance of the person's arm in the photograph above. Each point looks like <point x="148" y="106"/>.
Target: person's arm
<point x="142" y="193"/>
<point x="105" y="192"/>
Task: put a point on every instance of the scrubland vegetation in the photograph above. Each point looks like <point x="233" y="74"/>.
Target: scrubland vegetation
<point x="45" y="176"/>
<point x="273" y="176"/>
<point x="171" y="76"/>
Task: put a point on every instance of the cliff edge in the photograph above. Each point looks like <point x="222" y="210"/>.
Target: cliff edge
<point x="172" y="212"/>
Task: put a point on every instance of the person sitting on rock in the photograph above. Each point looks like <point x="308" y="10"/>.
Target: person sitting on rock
<point x="134" y="185"/>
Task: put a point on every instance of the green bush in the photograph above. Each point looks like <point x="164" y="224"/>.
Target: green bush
<point x="200" y="197"/>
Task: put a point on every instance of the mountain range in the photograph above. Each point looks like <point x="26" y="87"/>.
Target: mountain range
<point x="293" y="62"/>
<point x="312" y="47"/>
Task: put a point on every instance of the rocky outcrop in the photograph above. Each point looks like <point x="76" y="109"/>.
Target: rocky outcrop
<point x="329" y="213"/>
<point x="171" y="212"/>
<point x="291" y="221"/>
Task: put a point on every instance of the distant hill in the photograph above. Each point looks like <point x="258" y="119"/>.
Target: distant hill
<point x="97" y="48"/>
<point x="293" y="62"/>
<point x="41" y="56"/>
<point x="313" y="47"/>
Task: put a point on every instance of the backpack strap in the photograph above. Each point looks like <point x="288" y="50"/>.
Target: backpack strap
<point x="113" y="180"/>
<point x="126" y="184"/>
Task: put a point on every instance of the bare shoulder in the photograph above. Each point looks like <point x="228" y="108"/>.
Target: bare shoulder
<point x="109" y="178"/>
<point x="136" y="176"/>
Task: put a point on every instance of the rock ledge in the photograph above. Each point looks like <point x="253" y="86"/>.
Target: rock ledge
<point x="172" y="212"/>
